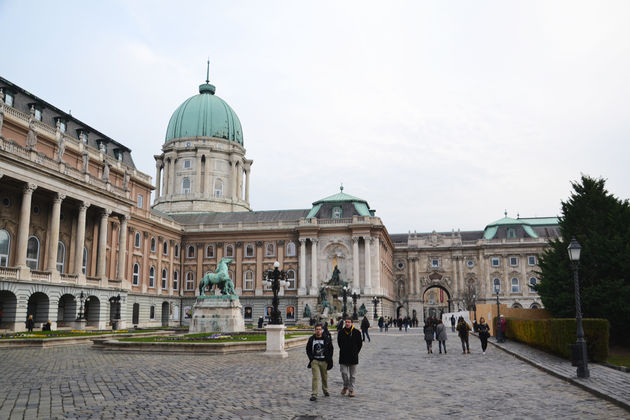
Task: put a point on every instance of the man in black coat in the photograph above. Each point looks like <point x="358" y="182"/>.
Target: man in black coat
<point x="350" y="343"/>
<point x="319" y="350"/>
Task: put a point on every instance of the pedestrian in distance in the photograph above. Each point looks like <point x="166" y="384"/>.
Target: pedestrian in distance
<point x="387" y="325"/>
<point x="428" y="337"/>
<point x="381" y="323"/>
<point x="30" y="323"/>
<point x="365" y="326"/>
<point x="406" y="323"/>
<point x="400" y="323"/>
<point x="484" y="333"/>
<point x="340" y="324"/>
<point x="47" y="326"/>
<point x="350" y="343"/>
<point x="502" y="328"/>
<point x="440" y="333"/>
<point x="462" y="330"/>
<point x="453" y="323"/>
<point x="319" y="350"/>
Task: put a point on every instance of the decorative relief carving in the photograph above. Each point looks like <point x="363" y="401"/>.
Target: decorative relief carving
<point x="259" y="244"/>
<point x="239" y="244"/>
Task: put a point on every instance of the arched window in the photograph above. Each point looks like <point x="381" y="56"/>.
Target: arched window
<point x="152" y="276"/>
<point x="176" y="252"/>
<point x="517" y="305"/>
<point x="210" y="251"/>
<point x="190" y="253"/>
<point x="291" y="279"/>
<point x="186" y="185"/>
<point x="532" y="282"/>
<point x="511" y="233"/>
<point x="291" y="249"/>
<point x="496" y="283"/>
<point x="61" y="257"/>
<point x="85" y="260"/>
<point x="153" y="244"/>
<point x="290" y="312"/>
<point x="164" y="279"/>
<point x="248" y="280"/>
<point x="190" y="280"/>
<point x="249" y="250"/>
<point x="5" y="248"/>
<point x="270" y="250"/>
<point x="535" y="306"/>
<point x="32" y="253"/>
<point x="248" y="312"/>
<point x="516" y="287"/>
<point x="136" y="274"/>
<point x="336" y="213"/>
<point x="218" y="188"/>
<point x="152" y="312"/>
<point x="165" y="247"/>
<point x="175" y="280"/>
<point x="229" y="250"/>
<point x="136" y="240"/>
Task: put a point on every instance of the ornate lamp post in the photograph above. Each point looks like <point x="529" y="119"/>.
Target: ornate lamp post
<point x="474" y="296"/>
<point x="355" y="297"/>
<point x="275" y="278"/>
<point x="497" y="290"/>
<point x="81" y="315"/>
<point x="579" y="348"/>
<point x="344" y="299"/>
<point x="375" y="302"/>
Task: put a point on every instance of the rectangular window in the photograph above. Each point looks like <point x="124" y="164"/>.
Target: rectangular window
<point x="435" y="263"/>
<point x="531" y="260"/>
<point x="176" y="280"/>
<point x="62" y="126"/>
<point x="38" y="114"/>
<point x="514" y="261"/>
<point x="140" y="201"/>
<point x="8" y="98"/>
<point x="495" y="261"/>
<point x="152" y="312"/>
<point x="187" y="164"/>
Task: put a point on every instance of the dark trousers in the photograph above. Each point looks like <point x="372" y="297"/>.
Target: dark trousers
<point x="465" y="346"/>
<point x="429" y="344"/>
<point x="366" y="334"/>
<point x="484" y="343"/>
<point x="453" y="327"/>
<point x="442" y="343"/>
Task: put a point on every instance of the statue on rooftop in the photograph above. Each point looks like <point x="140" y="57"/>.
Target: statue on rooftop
<point x="31" y="137"/>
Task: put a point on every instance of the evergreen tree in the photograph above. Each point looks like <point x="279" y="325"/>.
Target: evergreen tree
<point x="601" y="224"/>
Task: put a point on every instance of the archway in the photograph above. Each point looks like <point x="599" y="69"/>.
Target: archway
<point x="165" y="313"/>
<point x="66" y="310"/>
<point x="401" y="311"/>
<point x="437" y="300"/>
<point x="135" y="314"/>
<point x="92" y="311"/>
<point x="8" y="306"/>
<point x="38" y="306"/>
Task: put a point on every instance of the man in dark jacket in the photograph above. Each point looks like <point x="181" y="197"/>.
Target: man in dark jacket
<point x="350" y="343"/>
<point x="319" y="350"/>
<point x="365" y="326"/>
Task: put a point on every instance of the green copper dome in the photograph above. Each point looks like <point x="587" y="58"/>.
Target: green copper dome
<point x="205" y="115"/>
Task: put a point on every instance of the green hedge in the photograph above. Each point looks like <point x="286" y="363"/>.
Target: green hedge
<point x="554" y="335"/>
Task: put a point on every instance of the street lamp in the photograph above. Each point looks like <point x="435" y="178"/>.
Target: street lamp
<point x="497" y="290"/>
<point x="474" y="296"/>
<point x="375" y="301"/>
<point x="81" y="299"/>
<point x="344" y="299"/>
<point x="579" y="348"/>
<point x="275" y="278"/>
<point x="355" y="297"/>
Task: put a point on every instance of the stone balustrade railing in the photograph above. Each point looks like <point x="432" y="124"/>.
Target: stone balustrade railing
<point x="41" y="275"/>
<point x="9" y="272"/>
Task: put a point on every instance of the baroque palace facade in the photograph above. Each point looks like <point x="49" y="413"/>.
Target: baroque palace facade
<point x="77" y="230"/>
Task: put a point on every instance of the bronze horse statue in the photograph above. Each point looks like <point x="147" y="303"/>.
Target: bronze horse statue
<point x="220" y="278"/>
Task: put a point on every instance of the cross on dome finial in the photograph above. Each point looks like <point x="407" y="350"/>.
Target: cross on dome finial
<point x="341" y="187"/>
<point x="505" y="212"/>
<point x="208" y="71"/>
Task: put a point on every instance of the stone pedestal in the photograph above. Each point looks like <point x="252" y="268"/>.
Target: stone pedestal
<point x="217" y="314"/>
<point x="275" y="342"/>
<point x="78" y="325"/>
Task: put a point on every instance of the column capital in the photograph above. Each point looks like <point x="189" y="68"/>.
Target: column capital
<point x="314" y="240"/>
<point x="355" y="239"/>
<point x="124" y="218"/>
<point x="29" y="188"/>
<point x="302" y="240"/>
<point x="105" y="212"/>
<point x="59" y="197"/>
<point x="84" y="205"/>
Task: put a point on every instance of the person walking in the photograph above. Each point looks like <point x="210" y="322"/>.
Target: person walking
<point x="319" y="350"/>
<point x="381" y="323"/>
<point x="386" y="324"/>
<point x="484" y="333"/>
<point x="453" y="323"/>
<point x="501" y="330"/>
<point x="462" y="329"/>
<point x="440" y="333"/>
<point x="30" y="323"/>
<point x="365" y="326"/>
<point x="350" y="343"/>
<point x="428" y="337"/>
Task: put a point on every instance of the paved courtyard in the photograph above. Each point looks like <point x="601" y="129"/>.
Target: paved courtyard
<point x="396" y="380"/>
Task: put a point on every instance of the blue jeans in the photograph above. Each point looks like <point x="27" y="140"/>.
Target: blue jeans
<point x="365" y="333"/>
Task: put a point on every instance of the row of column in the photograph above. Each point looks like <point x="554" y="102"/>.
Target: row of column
<point x="167" y="166"/>
<point x="55" y="220"/>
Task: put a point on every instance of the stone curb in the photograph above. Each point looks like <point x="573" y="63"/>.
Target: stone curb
<point x="584" y="386"/>
<point x="69" y="341"/>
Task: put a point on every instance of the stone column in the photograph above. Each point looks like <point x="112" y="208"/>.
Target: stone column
<point x="233" y="178"/>
<point x="166" y="176"/>
<point x="377" y="268"/>
<point x="302" y="263"/>
<point x="412" y="283"/>
<point x="171" y="176"/>
<point x="122" y="248"/>
<point x="102" y="244"/>
<point x="198" y="175"/>
<point x="80" y="239"/>
<point x="158" y="167"/>
<point x="367" y="286"/>
<point x="314" y="283"/>
<point x="51" y="265"/>
<point x="356" y="286"/>
<point x="24" y="224"/>
<point x="247" y="172"/>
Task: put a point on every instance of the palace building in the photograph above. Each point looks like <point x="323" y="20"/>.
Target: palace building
<point x="77" y="230"/>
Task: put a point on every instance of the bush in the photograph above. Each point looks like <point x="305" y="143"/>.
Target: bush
<point x="555" y="335"/>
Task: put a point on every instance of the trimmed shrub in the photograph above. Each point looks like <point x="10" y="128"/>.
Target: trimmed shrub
<point x="555" y="335"/>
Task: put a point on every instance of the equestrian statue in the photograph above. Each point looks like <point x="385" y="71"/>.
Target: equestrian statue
<point x="220" y="278"/>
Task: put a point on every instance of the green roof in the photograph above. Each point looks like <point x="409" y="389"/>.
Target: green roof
<point x="340" y="197"/>
<point x="205" y="115"/>
<point x="491" y="230"/>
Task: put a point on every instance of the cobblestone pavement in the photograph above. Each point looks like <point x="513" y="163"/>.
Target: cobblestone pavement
<point x="603" y="381"/>
<point x="396" y="380"/>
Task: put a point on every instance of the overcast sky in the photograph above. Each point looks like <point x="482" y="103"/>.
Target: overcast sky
<point x="439" y="114"/>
